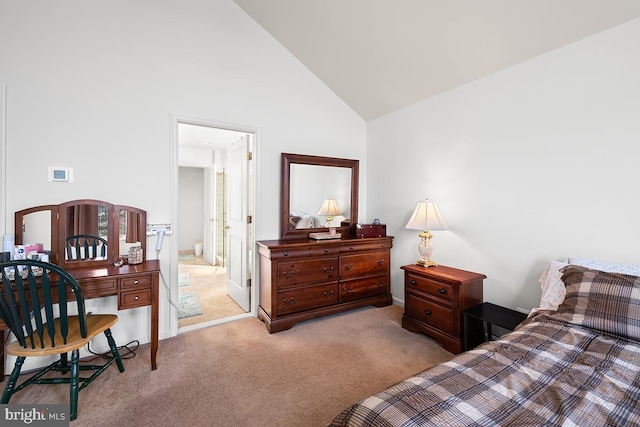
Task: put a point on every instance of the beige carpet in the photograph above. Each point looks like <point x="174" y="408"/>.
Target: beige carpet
<point x="236" y="374"/>
<point x="209" y="283"/>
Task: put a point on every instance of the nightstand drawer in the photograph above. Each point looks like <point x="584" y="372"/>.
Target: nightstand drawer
<point x="432" y="314"/>
<point x="431" y="287"/>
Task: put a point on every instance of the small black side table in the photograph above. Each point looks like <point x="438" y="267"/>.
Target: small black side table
<point x="493" y="315"/>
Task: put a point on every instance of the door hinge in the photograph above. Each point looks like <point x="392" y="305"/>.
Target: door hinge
<point x="248" y="283"/>
<point x="249" y="219"/>
<point x="249" y="155"/>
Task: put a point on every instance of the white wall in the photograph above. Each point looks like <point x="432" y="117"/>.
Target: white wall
<point x="94" y="86"/>
<point x="191" y="207"/>
<point x="535" y="163"/>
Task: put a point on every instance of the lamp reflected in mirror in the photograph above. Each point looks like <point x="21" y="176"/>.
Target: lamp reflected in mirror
<point x="330" y="209"/>
<point x="426" y="216"/>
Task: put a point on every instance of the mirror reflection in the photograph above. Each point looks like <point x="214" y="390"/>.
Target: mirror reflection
<point x="310" y="186"/>
<point x="130" y="230"/>
<point x="87" y="232"/>
<point x="36" y="228"/>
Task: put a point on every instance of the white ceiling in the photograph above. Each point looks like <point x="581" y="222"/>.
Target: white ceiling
<point x="382" y="55"/>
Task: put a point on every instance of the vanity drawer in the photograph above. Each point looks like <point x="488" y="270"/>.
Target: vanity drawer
<point x="301" y="299"/>
<point x="431" y="287"/>
<point x="134" y="298"/>
<point x="291" y="274"/>
<point x="98" y="287"/>
<point x="362" y="288"/>
<point x="143" y="280"/>
<point x="430" y="313"/>
<point x="369" y="264"/>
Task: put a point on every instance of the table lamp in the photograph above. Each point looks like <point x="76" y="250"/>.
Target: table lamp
<point x="426" y="217"/>
<point x="329" y="209"/>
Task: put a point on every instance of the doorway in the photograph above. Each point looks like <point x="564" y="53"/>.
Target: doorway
<point x="213" y="189"/>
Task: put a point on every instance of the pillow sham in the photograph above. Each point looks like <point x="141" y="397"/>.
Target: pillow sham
<point x="611" y="267"/>
<point x="553" y="289"/>
<point x="608" y="302"/>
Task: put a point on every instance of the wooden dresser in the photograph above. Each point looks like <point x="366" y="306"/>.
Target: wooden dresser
<point x="434" y="298"/>
<point x="304" y="279"/>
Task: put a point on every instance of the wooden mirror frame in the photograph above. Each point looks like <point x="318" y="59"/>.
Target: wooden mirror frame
<point x="58" y="241"/>
<point x="289" y="159"/>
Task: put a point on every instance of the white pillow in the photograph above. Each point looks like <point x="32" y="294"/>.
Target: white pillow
<point x="609" y="267"/>
<point x="553" y="289"/>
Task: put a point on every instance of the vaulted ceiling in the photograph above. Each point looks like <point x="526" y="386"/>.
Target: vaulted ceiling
<point x="382" y="55"/>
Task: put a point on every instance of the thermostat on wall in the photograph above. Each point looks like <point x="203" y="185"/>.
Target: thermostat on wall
<point x="60" y="174"/>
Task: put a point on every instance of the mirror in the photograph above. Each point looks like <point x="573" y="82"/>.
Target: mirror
<point x="81" y="232"/>
<point x="85" y="232"/>
<point x="132" y="229"/>
<point x="38" y="226"/>
<point x="307" y="181"/>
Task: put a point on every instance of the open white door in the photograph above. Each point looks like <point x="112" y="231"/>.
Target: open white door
<point x="237" y="222"/>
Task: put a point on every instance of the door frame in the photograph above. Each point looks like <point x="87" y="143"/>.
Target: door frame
<point x="173" y="258"/>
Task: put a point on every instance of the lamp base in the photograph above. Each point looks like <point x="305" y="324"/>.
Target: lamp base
<point x="427" y="263"/>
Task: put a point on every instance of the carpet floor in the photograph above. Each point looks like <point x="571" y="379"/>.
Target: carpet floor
<point x="237" y="374"/>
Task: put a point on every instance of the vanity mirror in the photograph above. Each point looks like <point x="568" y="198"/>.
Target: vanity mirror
<point x="307" y="181"/>
<point x="82" y="232"/>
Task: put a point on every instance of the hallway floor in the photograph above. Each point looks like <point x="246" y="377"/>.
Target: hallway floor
<point x="208" y="282"/>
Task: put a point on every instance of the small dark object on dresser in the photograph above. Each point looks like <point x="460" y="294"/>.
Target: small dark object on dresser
<point x="371" y="230"/>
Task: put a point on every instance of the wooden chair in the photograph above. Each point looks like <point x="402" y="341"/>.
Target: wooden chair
<point x="75" y="244"/>
<point x="39" y="332"/>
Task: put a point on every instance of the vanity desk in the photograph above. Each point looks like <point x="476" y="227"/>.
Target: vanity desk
<point x="135" y="285"/>
<point x="301" y="277"/>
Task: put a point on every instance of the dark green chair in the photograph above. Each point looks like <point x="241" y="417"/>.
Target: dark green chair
<point x="39" y="332"/>
<point x="94" y="247"/>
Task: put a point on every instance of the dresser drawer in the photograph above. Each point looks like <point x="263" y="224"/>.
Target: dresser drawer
<point x="143" y="280"/>
<point x="362" y="288"/>
<point x="304" y="252"/>
<point x="439" y="290"/>
<point x="134" y="298"/>
<point x="98" y="287"/>
<point x="369" y="264"/>
<point x="306" y="298"/>
<point x="297" y="273"/>
<point x="364" y="245"/>
<point x="430" y="313"/>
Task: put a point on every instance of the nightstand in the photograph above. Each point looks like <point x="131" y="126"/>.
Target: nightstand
<point x="434" y="298"/>
<point x="492" y="314"/>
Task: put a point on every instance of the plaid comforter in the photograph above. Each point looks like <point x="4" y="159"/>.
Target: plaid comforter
<point x="545" y="373"/>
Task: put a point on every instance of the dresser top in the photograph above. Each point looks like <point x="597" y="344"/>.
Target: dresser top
<point x="294" y="243"/>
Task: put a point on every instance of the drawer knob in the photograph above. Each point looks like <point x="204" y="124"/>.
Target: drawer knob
<point x="135" y="282"/>
<point x="286" y="254"/>
<point x="382" y="245"/>
<point x="442" y="291"/>
<point x="330" y="294"/>
<point x="380" y="262"/>
<point x="284" y="300"/>
<point x="380" y="284"/>
<point x="328" y="270"/>
<point x="136" y="298"/>
<point x="326" y="251"/>
<point x="351" y="248"/>
<point x="348" y="266"/>
<point x="289" y="275"/>
<point x="413" y="282"/>
<point x="427" y="312"/>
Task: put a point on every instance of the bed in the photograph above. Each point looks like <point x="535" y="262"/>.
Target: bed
<point x="576" y="363"/>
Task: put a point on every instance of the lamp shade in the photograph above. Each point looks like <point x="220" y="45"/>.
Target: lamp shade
<point x="329" y="208"/>
<point x="426" y="216"/>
